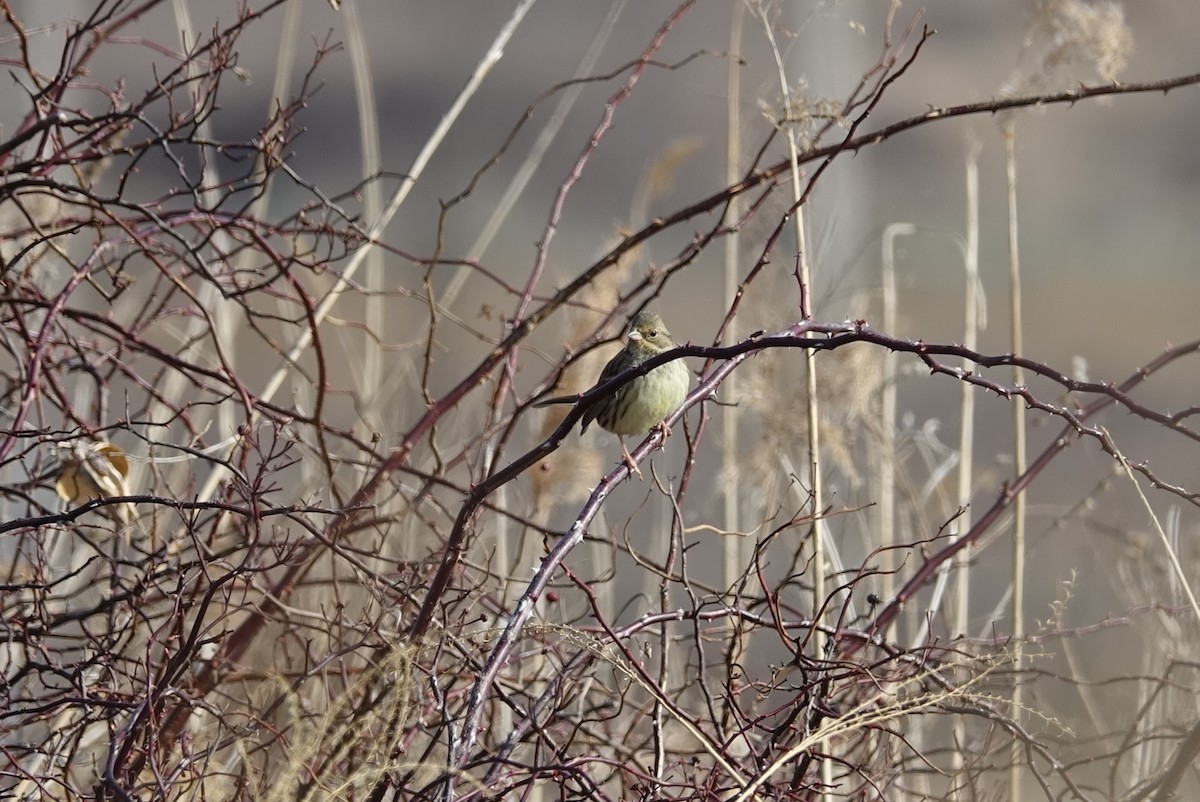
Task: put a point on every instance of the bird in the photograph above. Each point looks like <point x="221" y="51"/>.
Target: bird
<point x="642" y="403"/>
<point x="88" y="472"/>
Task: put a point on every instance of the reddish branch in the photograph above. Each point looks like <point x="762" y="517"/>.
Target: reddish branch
<point x="160" y="717"/>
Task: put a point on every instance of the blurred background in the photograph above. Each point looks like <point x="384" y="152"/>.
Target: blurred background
<point x="1108" y="202"/>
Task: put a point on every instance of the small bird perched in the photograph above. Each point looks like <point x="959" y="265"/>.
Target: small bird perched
<point x="92" y="471"/>
<point x="642" y="403"/>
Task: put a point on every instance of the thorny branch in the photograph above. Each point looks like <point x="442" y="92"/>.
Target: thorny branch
<point x="327" y="621"/>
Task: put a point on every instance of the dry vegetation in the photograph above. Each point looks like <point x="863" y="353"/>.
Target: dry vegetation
<point x="280" y="521"/>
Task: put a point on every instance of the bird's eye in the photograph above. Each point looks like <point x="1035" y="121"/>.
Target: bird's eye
<point x="652" y="333"/>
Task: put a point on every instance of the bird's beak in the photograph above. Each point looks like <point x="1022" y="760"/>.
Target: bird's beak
<point x="634" y="334"/>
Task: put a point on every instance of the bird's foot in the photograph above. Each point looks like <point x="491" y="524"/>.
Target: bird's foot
<point x="627" y="458"/>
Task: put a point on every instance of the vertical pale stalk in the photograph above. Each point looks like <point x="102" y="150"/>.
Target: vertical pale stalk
<point x="732" y="546"/>
<point x="972" y="323"/>
<point x="804" y="268"/>
<point x="972" y="303"/>
<point x="818" y="534"/>
<point x="887" y="448"/>
<point x="1019" y="458"/>
<point x="735" y="550"/>
<point x="370" y="378"/>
